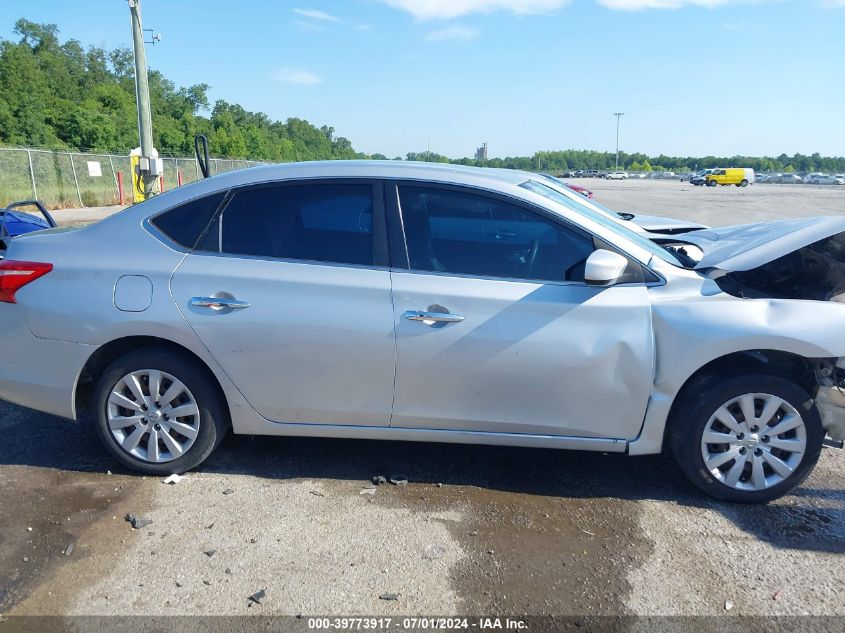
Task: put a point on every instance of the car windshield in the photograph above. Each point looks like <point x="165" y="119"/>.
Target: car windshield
<point x="609" y="223"/>
<point x="613" y="214"/>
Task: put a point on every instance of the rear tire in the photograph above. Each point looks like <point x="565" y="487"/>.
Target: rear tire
<point x="696" y="420"/>
<point x="744" y="183"/>
<point x="126" y="423"/>
<point x="711" y="183"/>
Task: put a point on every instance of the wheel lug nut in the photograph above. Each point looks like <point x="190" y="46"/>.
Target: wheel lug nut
<point x="741" y="436"/>
<point x="754" y="429"/>
<point x="758" y="451"/>
<point x="766" y="439"/>
<point x="743" y="451"/>
<point x="157" y="426"/>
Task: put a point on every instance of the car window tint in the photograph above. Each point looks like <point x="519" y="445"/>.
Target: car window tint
<point x="467" y="233"/>
<point x="319" y="222"/>
<point x="186" y="223"/>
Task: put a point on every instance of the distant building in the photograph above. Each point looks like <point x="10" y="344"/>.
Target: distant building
<point x="481" y="152"/>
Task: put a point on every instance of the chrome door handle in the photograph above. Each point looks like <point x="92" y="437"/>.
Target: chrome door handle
<point x="430" y="318"/>
<point x="218" y="303"/>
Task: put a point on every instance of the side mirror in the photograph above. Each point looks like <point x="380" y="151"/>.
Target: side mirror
<point x="603" y="268"/>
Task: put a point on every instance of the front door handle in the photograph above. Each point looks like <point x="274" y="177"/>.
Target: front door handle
<point x="430" y="318"/>
<point x="219" y="303"/>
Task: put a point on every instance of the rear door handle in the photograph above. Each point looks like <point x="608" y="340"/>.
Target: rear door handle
<point x="430" y="318"/>
<point x="218" y="303"/>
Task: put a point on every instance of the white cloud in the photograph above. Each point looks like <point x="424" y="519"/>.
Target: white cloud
<point x="309" y="26"/>
<point x="296" y="76"/>
<point x="834" y="3"/>
<point x="446" y="9"/>
<point x="454" y="33"/>
<point x="639" y="5"/>
<point x="314" y="14"/>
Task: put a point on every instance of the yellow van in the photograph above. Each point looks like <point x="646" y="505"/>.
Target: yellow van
<point x="739" y="176"/>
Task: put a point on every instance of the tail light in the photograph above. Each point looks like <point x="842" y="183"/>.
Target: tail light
<point x="15" y="275"/>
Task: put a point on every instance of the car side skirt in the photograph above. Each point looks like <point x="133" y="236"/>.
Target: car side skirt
<point x="434" y="435"/>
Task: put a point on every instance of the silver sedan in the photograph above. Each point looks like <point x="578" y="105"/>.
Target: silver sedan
<point x="402" y="301"/>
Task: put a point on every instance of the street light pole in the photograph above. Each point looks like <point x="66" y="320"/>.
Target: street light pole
<point x="142" y="97"/>
<point x="618" y="116"/>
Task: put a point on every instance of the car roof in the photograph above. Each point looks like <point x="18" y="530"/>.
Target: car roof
<point x="413" y="170"/>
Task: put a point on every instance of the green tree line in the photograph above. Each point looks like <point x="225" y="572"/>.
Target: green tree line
<point x="556" y="162"/>
<point x="61" y="95"/>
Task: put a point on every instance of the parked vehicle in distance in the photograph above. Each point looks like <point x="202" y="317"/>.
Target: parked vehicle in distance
<point x="23" y="217"/>
<point x="582" y="190"/>
<point x="739" y="176"/>
<point x="590" y="173"/>
<point x="785" y="179"/>
<point x="617" y="175"/>
<point x="473" y="306"/>
<point x="826" y="179"/>
<point x="700" y="178"/>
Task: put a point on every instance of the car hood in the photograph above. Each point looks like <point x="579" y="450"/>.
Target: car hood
<point x="658" y="224"/>
<point x="747" y="246"/>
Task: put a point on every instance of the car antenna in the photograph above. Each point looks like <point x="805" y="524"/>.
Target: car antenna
<point x="202" y="157"/>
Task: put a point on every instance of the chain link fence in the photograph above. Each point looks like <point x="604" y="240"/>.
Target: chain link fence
<point x="62" y="179"/>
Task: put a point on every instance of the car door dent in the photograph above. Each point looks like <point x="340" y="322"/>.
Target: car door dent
<point x="523" y="352"/>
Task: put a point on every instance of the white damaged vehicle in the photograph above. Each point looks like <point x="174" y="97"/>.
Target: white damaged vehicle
<point x="423" y="302"/>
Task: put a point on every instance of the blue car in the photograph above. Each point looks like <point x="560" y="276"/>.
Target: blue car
<point x="14" y="222"/>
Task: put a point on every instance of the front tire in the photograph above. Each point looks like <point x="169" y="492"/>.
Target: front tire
<point x="158" y="411"/>
<point x="711" y="183"/>
<point x="747" y="439"/>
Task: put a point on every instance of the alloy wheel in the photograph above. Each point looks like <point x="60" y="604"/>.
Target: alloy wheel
<point x="753" y="441"/>
<point x="153" y="416"/>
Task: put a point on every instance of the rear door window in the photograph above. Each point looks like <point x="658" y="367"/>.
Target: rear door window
<point x="314" y="222"/>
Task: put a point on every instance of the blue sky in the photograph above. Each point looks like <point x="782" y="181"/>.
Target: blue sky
<point x="694" y="77"/>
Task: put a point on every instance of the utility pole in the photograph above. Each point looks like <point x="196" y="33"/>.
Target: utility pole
<point x="618" y="116"/>
<point x="148" y="165"/>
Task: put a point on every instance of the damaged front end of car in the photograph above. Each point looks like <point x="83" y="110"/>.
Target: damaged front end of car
<point x="830" y="398"/>
<point x="778" y="263"/>
<point x="802" y="260"/>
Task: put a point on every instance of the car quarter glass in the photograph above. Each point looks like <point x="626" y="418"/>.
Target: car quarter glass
<point x="469" y="233"/>
<point x="187" y="222"/>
